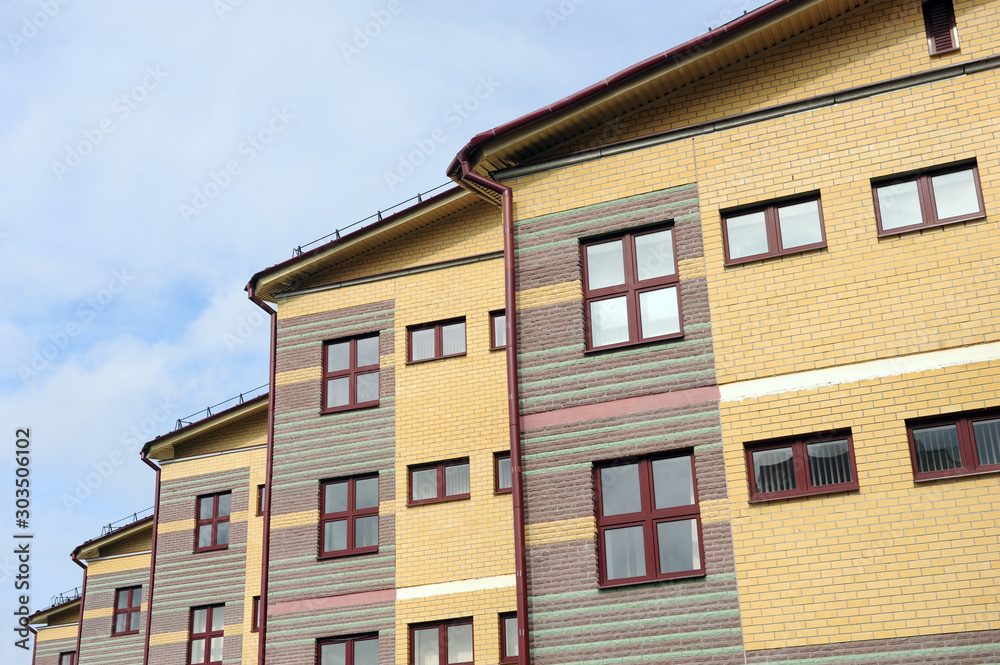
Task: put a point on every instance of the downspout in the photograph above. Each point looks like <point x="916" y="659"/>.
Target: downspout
<point x="513" y="397"/>
<point x="152" y="560"/>
<point x="34" y="650"/>
<point x="268" y="490"/>
<point x="83" y="602"/>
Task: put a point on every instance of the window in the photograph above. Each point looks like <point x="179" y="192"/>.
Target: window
<point x="501" y="476"/>
<point x="498" y="330"/>
<point x="255" y="617"/>
<point x="349" y="651"/>
<point x="447" y="643"/>
<point x="207" y="627"/>
<point x="928" y="198"/>
<point x="955" y="445"/>
<point x="437" y="340"/>
<point x="819" y="464"/>
<point x="213" y="522"/>
<point x="349" y="516"/>
<point x="773" y="229"/>
<point x="939" y="20"/>
<point x="648" y="521"/>
<point x="631" y="289"/>
<point x="350" y="373"/>
<point x="442" y="481"/>
<point x="261" y="495"/>
<point x="127" y="604"/>
<point x="508" y="638"/>
<point x="67" y="658"/>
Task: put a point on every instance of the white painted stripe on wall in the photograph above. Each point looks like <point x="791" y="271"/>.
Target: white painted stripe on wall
<point x="464" y="586"/>
<point x="866" y="371"/>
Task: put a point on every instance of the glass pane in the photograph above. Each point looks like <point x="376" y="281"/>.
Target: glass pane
<point x="605" y="265"/>
<point x="460" y="644"/>
<point x="338" y="392"/>
<point x="899" y="205"/>
<point x="206" y="506"/>
<point x="774" y="470"/>
<point x="424" y="484"/>
<point x="366" y="652"/>
<point x="225" y="501"/>
<point x="366" y="531"/>
<point x="620" y="490"/>
<point x="624" y="553"/>
<point x="955" y="194"/>
<point x="654" y="254"/>
<point x="456" y="479"/>
<point x="216" y="650"/>
<point x="122" y="601"/>
<point x="222" y="533"/>
<point x="136" y="597"/>
<point x="937" y="448"/>
<point x="338" y="357"/>
<point x="425" y="647"/>
<point x="453" y="338"/>
<point x="672" y="482"/>
<point x="678" y="542"/>
<point x="333" y="654"/>
<point x="218" y="619"/>
<point x="367" y="351"/>
<point x="510" y="636"/>
<point x="121" y="623"/>
<point x="609" y="321"/>
<point x="503" y="473"/>
<point x="133" y="621"/>
<point x="335" y="498"/>
<point x="799" y="225"/>
<point x="198" y="651"/>
<point x="500" y="330"/>
<point x="658" y="313"/>
<point x="335" y="536"/>
<point x="422" y="344"/>
<point x="198" y="624"/>
<point x="747" y="235"/>
<point x="987" y="434"/>
<point x="366" y="493"/>
<point x="367" y="388"/>
<point x="205" y="535"/>
<point x="829" y="463"/>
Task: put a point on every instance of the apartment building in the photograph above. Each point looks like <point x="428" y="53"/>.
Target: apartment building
<point x="694" y="365"/>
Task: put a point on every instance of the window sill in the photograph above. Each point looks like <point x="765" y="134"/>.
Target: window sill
<point x="430" y="360"/>
<point x="217" y="548"/>
<point x="447" y="499"/>
<point x="837" y="489"/>
<point x="920" y="227"/>
<point x="629" y="345"/>
<point x="508" y="490"/>
<point x="351" y="407"/>
<point x="777" y="255"/>
<point x="687" y="575"/>
<point x="961" y="473"/>
<point x="349" y="553"/>
<point x="131" y="632"/>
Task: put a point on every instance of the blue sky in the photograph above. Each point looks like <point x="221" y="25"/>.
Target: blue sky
<point x="154" y="155"/>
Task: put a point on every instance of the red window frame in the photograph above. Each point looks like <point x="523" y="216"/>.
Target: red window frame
<point x="971" y="465"/>
<point x="71" y="655"/>
<point x="352" y="373"/>
<point x="255" y="615"/>
<point x="648" y="518"/>
<point x="438" y="340"/>
<point x="495" y="317"/>
<point x="771" y="228"/>
<point x="349" y="642"/>
<point x="208" y="635"/>
<point x="442" y="627"/>
<point x="803" y="482"/>
<point x="631" y="289"/>
<point x="261" y="492"/>
<point x="504" y="656"/>
<point x="349" y="516"/>
<point x="939" y="23"/>
<point x="497" y="457"/>
<point x="215" y="520"/>
<point x="441" y="468"/>
<point x="127" y="610"/>
<point x="925" y="192"/>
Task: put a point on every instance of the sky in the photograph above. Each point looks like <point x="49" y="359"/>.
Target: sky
<point x="155" y="155"/>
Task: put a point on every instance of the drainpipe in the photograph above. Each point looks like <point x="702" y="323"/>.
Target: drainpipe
<point x="83" y="602"/>
<point x="513" y="396"/>
<point x="268" y="490"/>
<point x="34" y="650"/>
<point x="152" y="562"/>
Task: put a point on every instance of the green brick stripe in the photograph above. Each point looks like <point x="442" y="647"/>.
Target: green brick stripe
<point x="648" y="620"/>
<point x="650" y="657"/>
<point x="636" y="641"/>
<point x="650" y="604"/>
<point x="342" y="321"/>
